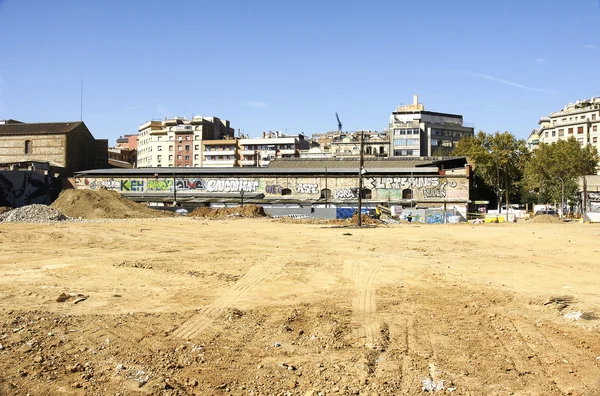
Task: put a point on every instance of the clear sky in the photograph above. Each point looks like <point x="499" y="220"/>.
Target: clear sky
<point x="290" y="65"/>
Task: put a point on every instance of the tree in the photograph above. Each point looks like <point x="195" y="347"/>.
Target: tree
<point x="559" y="164"/>
<point x="498" y="160"/>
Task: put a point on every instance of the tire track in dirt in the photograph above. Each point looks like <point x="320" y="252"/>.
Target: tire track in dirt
<point x="364" y="304"/>
<point x="205" y="316"/>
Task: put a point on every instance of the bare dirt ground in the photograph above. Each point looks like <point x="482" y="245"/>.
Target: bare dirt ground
<point x="255" y="306"/>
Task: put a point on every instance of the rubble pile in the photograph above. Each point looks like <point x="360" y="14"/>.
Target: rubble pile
<point x="33" y="214"/>
<point x="251" y="211"/>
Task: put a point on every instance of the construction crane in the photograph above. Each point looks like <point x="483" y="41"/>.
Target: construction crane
<point x="339" y="122"/>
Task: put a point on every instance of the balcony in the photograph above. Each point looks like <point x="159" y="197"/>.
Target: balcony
<point x="247" y="152"/>
<point x="247" y="162"/>
<point x="287" y="151"/>
<point x="267" y="153"/>
<point x="219" y="152"/>
<point x="209" y="162"/>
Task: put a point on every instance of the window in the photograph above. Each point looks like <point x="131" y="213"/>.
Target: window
<point x="171" y="137"/>
<point x="561" y="132"/>
<point x="159" y="138"/>
<point x="187" y="157"/>
<point x="159" y="148"/>
<point x="196" y="165"/>
<point x="170" y="148"/>
<point x="187" y="137"/>
<point x="286" y="191"/>
<point x="196" y="137"/>
<point x="594" y="139"/>
<point x="434" y="142"/>
<point x="595" y="128"/>
<point x="366" y="193"/>
<point x="593" y="116"/>
<point x="400" y="142"/>
<point x="187" y="147"/>
<point x="179" y="148"/>
<point x="159" y="158"/>
<point x="170" y="158"/>
<point x="197" y="147"/>
<point x="580" y="129"/>
<point x="570" y="131"/>
<point x="196" y="156"/>
<point x="407" y="193"/>
<point x="553" y="133"/>
<point x="325" y="193"/>
<point x="179" y="157"/>
<point x="27" y="146"/>
<point x="546" y="134"/>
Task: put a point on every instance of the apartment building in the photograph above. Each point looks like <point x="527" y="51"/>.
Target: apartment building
<point x="579" y="119"/>
<point x="415" y="132"/>
<point x="177" y="142"/>
<point x="219" y="153"/>
<point x="260" y="151"/>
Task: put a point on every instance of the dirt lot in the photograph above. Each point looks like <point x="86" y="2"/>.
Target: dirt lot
<point x="257" y="306"/>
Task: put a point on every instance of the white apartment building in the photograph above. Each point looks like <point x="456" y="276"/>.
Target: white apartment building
<point x="177" y="142"/>
<point x="260" y="151"/>
<point x="579" y="119"/>
<point x="415" y="132"/>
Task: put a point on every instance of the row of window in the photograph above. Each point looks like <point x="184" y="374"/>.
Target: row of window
<point x="408" y="152"/>
<point x="406" y="142"/>
<point x="583" y="117"/>
<point x="449" y="133"/>
<point x="406" y="131"/>
<point x="561" y="131"/>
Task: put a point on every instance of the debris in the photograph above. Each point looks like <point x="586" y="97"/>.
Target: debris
<point x="35" y="213"/>
<point x="277" y="345"/>
<point x="561" y="301"/>
<point x="76" y="298"/>
<point x="430" y="385"/>
<point x="573" y="315"/>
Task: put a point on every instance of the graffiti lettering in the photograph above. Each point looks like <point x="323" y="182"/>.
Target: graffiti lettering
<point x="190" y="184"/>
<point x="307" y="188"/>
<point x="231" y="185"/>
<point x="345" y="193"/>
<point x="273" y="189"/>
<point x="437" y="192"/>
<point x="132" y="185"/>
<point x="399" y="183"/>
<point x="160" y="185"/>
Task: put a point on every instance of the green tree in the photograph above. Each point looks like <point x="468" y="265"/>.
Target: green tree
<point x="498" y="160"/>
<point x="553" y="164"/>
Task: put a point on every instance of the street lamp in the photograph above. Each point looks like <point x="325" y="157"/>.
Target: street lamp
<point x="242" y="198"/>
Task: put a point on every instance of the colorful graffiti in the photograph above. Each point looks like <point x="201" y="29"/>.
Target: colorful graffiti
<point x="231" y="185"/>
<point x="160" y="185"/>
<point x="132" y="185"/>
<point x="273" y="189"/>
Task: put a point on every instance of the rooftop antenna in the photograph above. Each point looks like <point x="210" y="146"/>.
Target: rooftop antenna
<point x="339" y="122"/>
<point x="81" y="102"/>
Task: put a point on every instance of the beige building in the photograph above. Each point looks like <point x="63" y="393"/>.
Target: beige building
<point x="415" y="132"/>
<point x="580" y="120"/>
<point x="66" y="144"/>
<point x="222" y="153"/>
<point x="261" y="151"/>
<point x="177" y="142"/>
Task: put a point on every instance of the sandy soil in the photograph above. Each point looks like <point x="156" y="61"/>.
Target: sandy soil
<point x="256" y="306"/>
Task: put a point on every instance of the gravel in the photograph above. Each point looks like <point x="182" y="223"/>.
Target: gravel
<point x="33" y="214"/>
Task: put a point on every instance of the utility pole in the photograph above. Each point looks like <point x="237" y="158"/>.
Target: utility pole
<point x="326" y="190"/>
<point x="360" y="181"/>
<point x="506" y="187"/>
<point x="174" y="190"/>
<point x="562" y="198"/>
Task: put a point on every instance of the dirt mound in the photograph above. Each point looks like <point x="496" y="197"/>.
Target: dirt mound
<point x="547" y="219"/>
<point x="4" y="209"/>
<point x="220" y="213"/>
<point x="365" y="219"/>
<point x="102" y="204"/>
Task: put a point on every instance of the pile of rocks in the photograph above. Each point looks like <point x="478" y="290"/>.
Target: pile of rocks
<point x="33" y="214"/>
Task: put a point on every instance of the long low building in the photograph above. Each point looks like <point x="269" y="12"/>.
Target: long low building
<point x="316" y="187"/>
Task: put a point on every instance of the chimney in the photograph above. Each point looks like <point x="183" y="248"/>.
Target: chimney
<point x="415" y="99"/>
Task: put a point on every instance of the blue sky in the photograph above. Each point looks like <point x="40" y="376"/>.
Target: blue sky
<point x="290" y="65"/>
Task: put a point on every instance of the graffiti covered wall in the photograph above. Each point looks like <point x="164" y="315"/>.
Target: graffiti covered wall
<point x="342" y="189"/>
